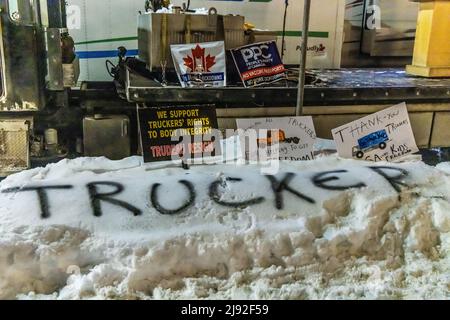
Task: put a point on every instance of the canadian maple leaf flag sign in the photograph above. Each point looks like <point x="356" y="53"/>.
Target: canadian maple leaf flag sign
<point x="200" y="64"/>
<point x="198" y="61"/>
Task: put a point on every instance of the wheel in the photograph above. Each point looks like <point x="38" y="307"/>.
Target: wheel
<point x="383" y="145"/>
<point x="288" y="140"/>
<point x="360" y="154"/>
<point x="296" y="140"/>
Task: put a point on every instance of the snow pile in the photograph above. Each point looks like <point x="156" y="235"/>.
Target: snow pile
<point x="329" y="228"/>
<point x="445" y="166"/>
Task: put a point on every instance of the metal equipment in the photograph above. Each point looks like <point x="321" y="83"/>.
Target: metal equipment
<point x="14" y="146"/>
<point x="44" y="117"/>
<point x="157" y="31"/>
<point x="99" y="131"/>
<point x="38" y="67"/>
<point x="379" y="33"/>
<point x="388" y="28"/>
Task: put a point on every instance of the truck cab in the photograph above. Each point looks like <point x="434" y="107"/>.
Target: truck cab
<point x="373" y="141"/>
<point x="36" y="74"/>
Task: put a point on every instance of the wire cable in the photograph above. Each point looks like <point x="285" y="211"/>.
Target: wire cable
<point x="110" y="67"/>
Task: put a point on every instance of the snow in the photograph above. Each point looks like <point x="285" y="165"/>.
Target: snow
<point x="445" y="166"/>
<point x="370" y="242"/>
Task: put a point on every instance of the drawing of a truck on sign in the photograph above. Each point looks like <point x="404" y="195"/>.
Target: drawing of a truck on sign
<point x="373" y="141"/>
<point x="276" y="136"/>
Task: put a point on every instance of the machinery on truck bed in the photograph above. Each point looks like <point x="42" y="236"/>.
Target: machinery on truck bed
<point x="38" y="67"/>
<point x="44" y="117"/>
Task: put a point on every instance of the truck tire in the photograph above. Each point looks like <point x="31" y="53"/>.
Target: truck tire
<point x="360" y="154"/>
<point x="383" y="145"/>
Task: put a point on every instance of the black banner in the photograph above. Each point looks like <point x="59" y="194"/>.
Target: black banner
<point x="178" y="132"/>
<point x="227" y="310"/>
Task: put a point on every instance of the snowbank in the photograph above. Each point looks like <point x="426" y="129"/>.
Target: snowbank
<point x="329" y="228"/>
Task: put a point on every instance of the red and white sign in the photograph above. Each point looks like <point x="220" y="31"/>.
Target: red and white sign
<point x="200" y="64"/>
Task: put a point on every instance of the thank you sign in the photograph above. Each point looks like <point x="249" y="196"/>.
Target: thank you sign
<point x="383" y="136"/>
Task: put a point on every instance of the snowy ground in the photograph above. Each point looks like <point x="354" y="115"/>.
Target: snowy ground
<point x="226" y="231"/>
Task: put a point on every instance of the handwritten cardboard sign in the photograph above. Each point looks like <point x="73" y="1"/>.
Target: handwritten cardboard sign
<point x="291" y="138"/>
<point x="162" y="129"/>
<point x="383" y="136"/>
<point x="259" y="64"/>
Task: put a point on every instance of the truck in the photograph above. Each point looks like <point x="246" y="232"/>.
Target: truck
<point x="277" y="136"/>
<point x="373" y="141"/>
<point x="71" y="84"/>
<point x="97" y="36"/>
<point x="273" y="137"/>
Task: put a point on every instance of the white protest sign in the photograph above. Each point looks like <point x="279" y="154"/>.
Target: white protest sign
<point x="290" y="138"/>
<point x="200" y="64"/>
<point x="383" y="136"/>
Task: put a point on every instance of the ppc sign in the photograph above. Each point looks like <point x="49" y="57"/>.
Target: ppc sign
<point x="259" y="64"/>
<point x="383" y="136"/>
